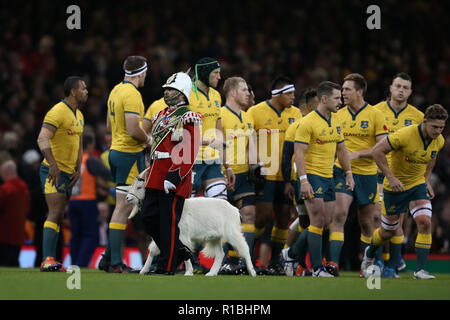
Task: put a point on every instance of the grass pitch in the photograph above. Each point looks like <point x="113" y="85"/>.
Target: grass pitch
<point x="30" y="284"/>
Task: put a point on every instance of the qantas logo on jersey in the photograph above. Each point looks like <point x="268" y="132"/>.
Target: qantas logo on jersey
<point x="69" y="132"/>
<point x="407" y="159"/>
<point x="318" y="141"/>
<point x="214" y="114"/>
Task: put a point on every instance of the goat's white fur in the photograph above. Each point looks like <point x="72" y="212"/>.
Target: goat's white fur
<point x="208" y="221"/>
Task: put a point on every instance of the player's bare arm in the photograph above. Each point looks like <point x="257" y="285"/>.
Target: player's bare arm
<point x="306" y="188"/>
<point x="108" y="123"/>
<point x="147" y="125"/>
<point x="47" y="132"/>
<point x="77" y="173"/>
<point x="231" y="178"/>
<point x="428" y="172"/>
<point x="366" y="153"/>
<point x="344" y="160"/>
<point x="134" y="129"/>
<point x="379" y="155"/>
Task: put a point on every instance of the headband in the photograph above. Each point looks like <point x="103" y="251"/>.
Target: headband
<point x="136" y="72"/>
<point x="287" y="88"/>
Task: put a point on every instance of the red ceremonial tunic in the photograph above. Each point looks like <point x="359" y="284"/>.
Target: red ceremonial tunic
<point x="178" y="168"/>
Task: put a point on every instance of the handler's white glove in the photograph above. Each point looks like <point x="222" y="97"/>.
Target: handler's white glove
<point x="131" y="198"/>
<point x="169" y="186"/>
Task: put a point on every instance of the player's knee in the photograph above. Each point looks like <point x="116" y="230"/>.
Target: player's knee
<point x="248" y="213"/>
<point x="391" y="223"/>
<point x="217" y="189"/>
<point x="339" y="218"/>
<point x="423" y="223"/>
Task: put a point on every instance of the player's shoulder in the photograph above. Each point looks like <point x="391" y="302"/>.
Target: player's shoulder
<point x="342" y="111"/>
<point x="157" y="104"/>
<point x="214" y="93"/>
<point x="382" y="105"/>
<point x="441" y="141"/>
<point x="374" y="110"/>
<point x="414" y="111"/>
<point x="61" y="108"/>
<point x="262" y="104"/>
<point x="310" y="118"/>
<point x="293" y="110"/>
<point x="407" y="131"/>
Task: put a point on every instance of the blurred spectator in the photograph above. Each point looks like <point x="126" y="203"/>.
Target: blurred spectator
<point x="14" y="208"/>
<point x="29" y="172"/>
<point x="83" y="211"/>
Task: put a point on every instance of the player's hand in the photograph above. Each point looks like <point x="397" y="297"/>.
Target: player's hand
<point x="217" y="144"/>
<point x="396" y="184"/>
<point x="430" y="190"/>
<point x="54" y="174"/>
<point x="169" y="186"/>
<point x="349" y="182"/>
<point x="307" y="191"/>
<point x="231" y="178"/>
<point x="74" y="178"/>
<point x="289" y="191"/>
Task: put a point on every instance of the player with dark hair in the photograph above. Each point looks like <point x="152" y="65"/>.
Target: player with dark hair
<point x="271" y="119"/>
<point x="407" y="183"/>
<point x="398" y="114"/>
<point x="318" y="140"/>
<point x="126" y="156"/>
<point x="290" y="177"/>
<point x="362" y="126"/>
<point x="60" y="141"/>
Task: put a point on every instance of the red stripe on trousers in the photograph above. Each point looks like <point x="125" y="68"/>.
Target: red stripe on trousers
<point x="172" y="240"/>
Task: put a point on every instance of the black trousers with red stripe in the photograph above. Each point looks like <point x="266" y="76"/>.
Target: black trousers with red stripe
<point x="161" y="214"/>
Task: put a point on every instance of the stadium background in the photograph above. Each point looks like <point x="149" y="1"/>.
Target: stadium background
<point x="310" y="41"/>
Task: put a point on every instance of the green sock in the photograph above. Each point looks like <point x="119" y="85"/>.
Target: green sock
<point x="379" y="254"/>
<point x="226" y="247"/>
<point x="395" y="251"/>
<point x="250" y="239"/>
<point x="335" y="245"/>
<point x="315" y="246"/>
<point x="278" y="239"/>
<point x="363" y="246"/>
<point x="298" y="247"/>
<point x="115" y="241"/>
<point x="422" y="257"/>
<point x="107" y="252"/>
<point x="49" y="241"/>
<point x="423" y="246"/>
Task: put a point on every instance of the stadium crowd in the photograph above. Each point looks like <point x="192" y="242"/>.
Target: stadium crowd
<point x="311" y="43"/>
